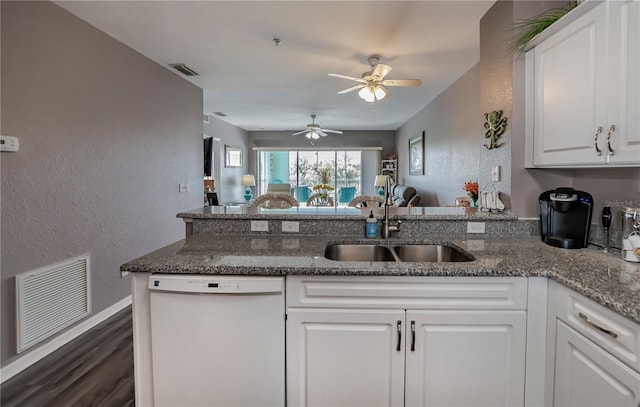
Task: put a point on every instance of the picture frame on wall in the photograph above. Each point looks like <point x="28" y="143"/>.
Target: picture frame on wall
<point x="416" y="155"/>
<point x="232" y="156"/>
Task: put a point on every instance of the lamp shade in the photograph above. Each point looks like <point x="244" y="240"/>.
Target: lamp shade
<point x="379" y="182"/>
<point x="248" y="180"/>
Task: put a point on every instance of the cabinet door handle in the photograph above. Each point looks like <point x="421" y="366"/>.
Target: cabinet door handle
<point x="609" y="332"/>
<point x="413" y="336"/>
<point x="611" y="130"/>
<point x="595" y="140"/>
<point x="399" y="335"/>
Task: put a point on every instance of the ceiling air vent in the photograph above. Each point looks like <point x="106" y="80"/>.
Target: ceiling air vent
<point x="182" y="68"/>
<point x="220" y="114"/>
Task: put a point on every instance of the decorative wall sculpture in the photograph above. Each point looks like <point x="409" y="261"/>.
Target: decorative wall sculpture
<point x="495" y="125"/>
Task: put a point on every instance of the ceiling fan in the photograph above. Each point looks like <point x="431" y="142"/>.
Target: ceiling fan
<point x="372" y="84"/>
<point x="314" y="132"/>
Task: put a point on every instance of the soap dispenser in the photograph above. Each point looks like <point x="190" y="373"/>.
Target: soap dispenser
<point x="371" y="230"/>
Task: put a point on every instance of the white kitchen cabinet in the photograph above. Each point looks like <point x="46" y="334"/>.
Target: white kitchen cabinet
<point x="415" y="352"/>
<point x="584" y="90"/>
<point x="586" y="375"/>
<point x="594" y="353"/>
<point x="345" y="358"/>
<point x="465" y="358"/>
<point x="339" y="357"/>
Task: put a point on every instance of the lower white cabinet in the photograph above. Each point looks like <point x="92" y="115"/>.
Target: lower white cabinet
<point x="465" y="358"/>
<point x="586" y="375"/>
<point x="345" y="358"/>
<point x="353" y="357"/>
<point x="596" y="353"/>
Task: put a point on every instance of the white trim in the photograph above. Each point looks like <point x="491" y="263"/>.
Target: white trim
<point x="17" y="366"/>
<point x="315" y="148"/>
<point x="536" y="342"/>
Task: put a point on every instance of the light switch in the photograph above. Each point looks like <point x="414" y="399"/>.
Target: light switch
<point x="182" y="187"/>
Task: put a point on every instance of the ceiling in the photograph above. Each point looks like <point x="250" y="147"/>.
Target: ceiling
<point x="263" y="86"/>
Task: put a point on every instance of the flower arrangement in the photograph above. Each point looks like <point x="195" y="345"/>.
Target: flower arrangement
<point x="472" y="191"/>
<point x="323" y="191"/>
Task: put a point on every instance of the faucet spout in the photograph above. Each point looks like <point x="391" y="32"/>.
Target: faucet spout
<point x="388" y="202"/>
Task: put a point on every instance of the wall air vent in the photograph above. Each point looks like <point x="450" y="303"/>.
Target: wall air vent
<point x="182" y="68"/>
<point x="220" y="114"/>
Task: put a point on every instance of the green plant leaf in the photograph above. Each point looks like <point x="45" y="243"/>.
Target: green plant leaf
<point x="527" y="29"/>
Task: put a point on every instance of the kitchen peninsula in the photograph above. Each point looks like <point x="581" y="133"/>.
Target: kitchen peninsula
<point x="496" y="314"/>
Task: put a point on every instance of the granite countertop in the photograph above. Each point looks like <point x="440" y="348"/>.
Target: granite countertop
<point x="603" y="277"/>
<point x="313" y="213"/>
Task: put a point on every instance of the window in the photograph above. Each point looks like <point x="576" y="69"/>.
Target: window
<point x="304" y="169"/>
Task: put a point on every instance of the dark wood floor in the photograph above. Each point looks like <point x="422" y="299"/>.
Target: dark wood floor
<point x="95" y="369"/>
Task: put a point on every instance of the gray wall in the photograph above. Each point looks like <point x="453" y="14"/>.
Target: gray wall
<point x="452" y="142"/>
<point x="495" y="94"/>
<point x="106" y="135"/>
<point x="615" y="186"/>
<point x="228" y="181"/>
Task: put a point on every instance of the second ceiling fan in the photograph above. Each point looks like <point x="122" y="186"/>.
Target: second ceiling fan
<point x="314" y="131"/>
<point x="372" y="84"/>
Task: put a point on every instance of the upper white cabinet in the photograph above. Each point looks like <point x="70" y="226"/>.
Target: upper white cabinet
<point x="583" y="91"/>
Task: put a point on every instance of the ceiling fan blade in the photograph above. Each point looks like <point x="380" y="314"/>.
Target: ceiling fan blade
<point x="386" y="92"/>
<point x="336" y="75"/>
<point x="342" y="92"/>
<point x="401" y="82"/>
<point x="321" y="133"/>
<point x="300" y="132"/>
<point x="331" y="131"/>
<point x="381" y="70"/>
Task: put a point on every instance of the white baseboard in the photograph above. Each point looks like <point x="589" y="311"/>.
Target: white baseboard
<point x="56" y="343"/>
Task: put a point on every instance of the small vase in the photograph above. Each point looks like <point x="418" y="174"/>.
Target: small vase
<point x="474" y="201"/>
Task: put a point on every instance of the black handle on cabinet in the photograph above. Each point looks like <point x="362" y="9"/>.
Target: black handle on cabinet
<point x="399" y="335"/>
<point x="413" y="336"/>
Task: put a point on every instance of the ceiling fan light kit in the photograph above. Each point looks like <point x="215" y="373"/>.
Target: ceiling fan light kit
<point x="372" y="87"/>
<point x="314" y="132"/>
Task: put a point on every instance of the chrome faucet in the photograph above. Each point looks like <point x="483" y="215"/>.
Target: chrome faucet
<point x="386" y="227"/>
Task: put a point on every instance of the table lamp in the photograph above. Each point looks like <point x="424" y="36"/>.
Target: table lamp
<point x="379" y="182"/>
<point x="248" y="181"/>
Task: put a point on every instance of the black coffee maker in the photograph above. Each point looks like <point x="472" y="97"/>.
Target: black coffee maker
<point x="565" y="217"/>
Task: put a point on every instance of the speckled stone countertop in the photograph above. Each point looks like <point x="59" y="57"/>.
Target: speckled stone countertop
<point x="603" y="277"/>
<point x="303" y="212"/>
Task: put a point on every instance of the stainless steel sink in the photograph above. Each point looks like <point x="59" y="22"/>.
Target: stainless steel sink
<point x="430" y="253"/>
<point x="400" y="253"/>
<point x="358" y="252"/>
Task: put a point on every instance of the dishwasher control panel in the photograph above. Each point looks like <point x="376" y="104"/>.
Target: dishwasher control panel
<point x="215" y="284"/>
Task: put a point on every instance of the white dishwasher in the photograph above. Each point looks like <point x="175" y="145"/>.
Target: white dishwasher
<point x="217" y="340"/>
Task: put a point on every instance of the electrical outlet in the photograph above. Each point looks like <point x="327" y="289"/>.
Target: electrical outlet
<point x="259" y="225"/>
<point x="290" y="226"/>
<point x="9" y="143"/>
<point x="124" y="274"/>
<point x="475" y="227"/>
